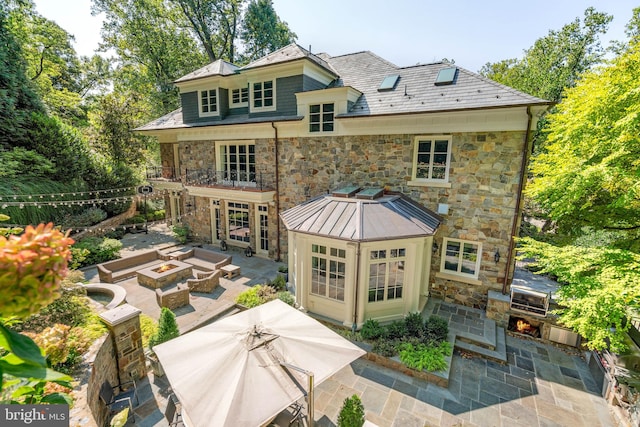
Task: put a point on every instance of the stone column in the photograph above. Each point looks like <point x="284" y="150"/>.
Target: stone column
<point x="124" y="327"/>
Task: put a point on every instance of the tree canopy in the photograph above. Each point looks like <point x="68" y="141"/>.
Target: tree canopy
<point x="263" y="31"/>
<point x="588" y="172"/>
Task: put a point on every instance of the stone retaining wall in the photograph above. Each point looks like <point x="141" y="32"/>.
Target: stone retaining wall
<point x="106" y="225"/>
<point x="402" y="368"/>
<point x="103" y="367"/>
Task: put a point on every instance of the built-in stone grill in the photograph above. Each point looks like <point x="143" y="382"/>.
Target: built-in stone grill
<point x="529" y="301"/>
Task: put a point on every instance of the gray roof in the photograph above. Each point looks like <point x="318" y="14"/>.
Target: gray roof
<point x="416" y="91"/>
<point x="289" y="53"/>
<point x="392" y="216"/>
<point x="216" y="68"/>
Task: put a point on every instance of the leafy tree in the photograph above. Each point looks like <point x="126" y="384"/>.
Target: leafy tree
<point x="215" y="25"/>
<point x="114" y="118"/>
<point x="599" y="292"/>
<point x="556" y="61"/>
<point x="262" y="30"/>
<point x="52" y="63"/>
<point x="154" y="48"/>
<point x="17" y="96"/>
<point x="587" y="173"/>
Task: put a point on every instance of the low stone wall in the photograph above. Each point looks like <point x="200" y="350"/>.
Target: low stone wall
<point x="402" y="368"/>
<point x="106" y="225"/>
<point x="498" y="308"/>
<point x="103" y="367"/>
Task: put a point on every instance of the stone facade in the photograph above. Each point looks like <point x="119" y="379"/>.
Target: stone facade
<point x="481" y="198"/>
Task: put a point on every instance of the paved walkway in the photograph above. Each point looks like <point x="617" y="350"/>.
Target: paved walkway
<point x="540" y="385"/>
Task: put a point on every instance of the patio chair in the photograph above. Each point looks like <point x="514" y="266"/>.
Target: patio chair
<point x="171" y="413"/>
<point x="297" y="415"/>
<point x="117" y="402"/>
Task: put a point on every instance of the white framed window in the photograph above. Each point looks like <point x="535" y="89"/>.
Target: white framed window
<point x="238" y="222"/>
<point x="236" y="161"/>
<point x="263" y="96"/>
<point x="432" y="158"/>
<point x="386" y="274"/>
<point x="328" y="272"/>
<point x="217" y="230"/>
<point x="263" y="224"/>
<point x="321" y="118"/>
<point x="461" y="257"/>
<point x="208" y="102"/>
<point x="239" y="97"/>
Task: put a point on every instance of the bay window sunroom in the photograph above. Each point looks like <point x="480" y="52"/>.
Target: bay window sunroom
<point x="358" y="254"/>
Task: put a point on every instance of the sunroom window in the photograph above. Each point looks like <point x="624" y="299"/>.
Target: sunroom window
<point x="328" y="271"/>
<point x="386" y="274"/>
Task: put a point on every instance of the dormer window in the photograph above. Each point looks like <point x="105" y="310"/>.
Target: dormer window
<point x="239" y="97"/>
<point x="321" y="118"/>
<point x="263" y="95"/>
<point x="208" y="102"/>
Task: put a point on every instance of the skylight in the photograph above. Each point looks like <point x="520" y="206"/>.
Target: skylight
<point x="446" y="76"/>
<point x="389" y="83"/>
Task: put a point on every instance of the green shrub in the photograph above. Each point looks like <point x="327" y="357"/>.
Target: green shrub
<point x="414" y="324"/>
<point x="136" y="219"/>
<point x="256" y="296"/>
<point x="181" y="233"/>
<point x="279" y="283"/>
<point x="148" y="327"/>
<point x="396" y="330"/>
<point x="78" y="257"/>
<point x="167" y="328"/>
<point x="283" y="269"/>
<point x="117" y="233"/>
<point x="371" y="330"/>
<point x="423" y="357"/>
<point x="100" y="249"/>
<point x="352" y="412"/>
<point x="436" y="329"/>
<point x="385" y="348"/>
<point x="287" y="297"/>
<point x="86" y="218"/>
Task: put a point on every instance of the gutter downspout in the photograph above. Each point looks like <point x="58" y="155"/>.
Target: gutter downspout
<point x="277" y="194"/>
<point x="357" y="285"/>
<point x="523" y="174"/>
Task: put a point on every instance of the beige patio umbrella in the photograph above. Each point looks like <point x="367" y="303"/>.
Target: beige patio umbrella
<point x="245" y="369"/>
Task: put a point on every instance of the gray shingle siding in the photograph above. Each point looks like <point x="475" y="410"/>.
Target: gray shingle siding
<point x="309" y="83"/>
<point x="190" y="112"/>
<point x="286" y="104"/>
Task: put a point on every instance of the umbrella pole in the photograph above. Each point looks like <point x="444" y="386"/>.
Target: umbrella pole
<point x="310" y="409"/>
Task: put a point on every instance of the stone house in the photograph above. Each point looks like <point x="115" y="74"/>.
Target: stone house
<point x="379" y="185"/>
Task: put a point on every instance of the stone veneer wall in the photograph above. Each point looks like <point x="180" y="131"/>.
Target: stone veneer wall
<point x="103" y="367"/>
<point x="484" y="177"/>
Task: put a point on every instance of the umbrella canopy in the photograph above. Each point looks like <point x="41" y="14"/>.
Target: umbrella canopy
<point x="229" y="373"/>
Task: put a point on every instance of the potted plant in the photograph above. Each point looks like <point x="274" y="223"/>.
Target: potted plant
<point x="167" y="330"/>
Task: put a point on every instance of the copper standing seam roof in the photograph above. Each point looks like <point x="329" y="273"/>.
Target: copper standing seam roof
<point x="391" y="216"/>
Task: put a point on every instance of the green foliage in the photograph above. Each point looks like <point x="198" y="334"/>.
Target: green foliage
<point x="423" y="357"/>
<point x="556" y="61"/>
<point x="257" y="295"/>
<point x="414" y="324"/>
<point x="283" y="269"/>
<point x="101" y="249"/>
<point x="436" y="329"/>
<point x="86" y="218"/>
<point x="279" y="283"/>
<point x="181" y="233"/>
<point x="372" y="330"/>
<point x="287" y="297"/>
<point x="149" y="328"/>
<point x="600" y="288"/>
<point x="352" y="412"/>
<point x="385" y="348"/>
<point x="262" y="30"/>
<point x="167" y="328"/>
<point x="21" y="163"/>
<point x="395" y="330"/>
<point x="588" y="172"/>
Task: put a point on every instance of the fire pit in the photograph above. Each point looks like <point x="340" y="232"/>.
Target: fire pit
<point x="522" y="326"/>
<point x="159" y="276"/>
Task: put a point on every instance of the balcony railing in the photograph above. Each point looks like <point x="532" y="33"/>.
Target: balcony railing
<point x="167" y="173"/>
<point x="231" y="178"/>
